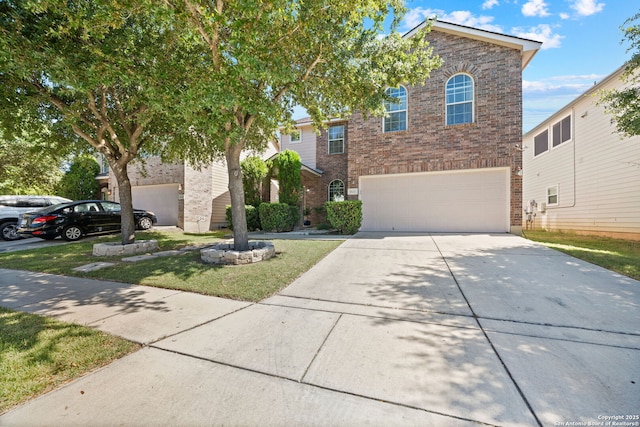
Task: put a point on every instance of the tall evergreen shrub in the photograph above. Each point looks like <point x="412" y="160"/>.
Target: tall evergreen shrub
<point x="289" y="164"/>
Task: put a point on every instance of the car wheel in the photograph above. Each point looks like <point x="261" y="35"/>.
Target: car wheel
<point x="9" y="230"/>
<point x="145" y="223"/>
<point x="71" y="233"/>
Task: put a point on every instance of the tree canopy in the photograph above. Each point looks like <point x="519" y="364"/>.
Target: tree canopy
<point x="25" y="168"/>
<point x="88" y="72"/>
<point x="624" y="104"/>
<point x="263" y="58"/>
<point x="197" y="79"/>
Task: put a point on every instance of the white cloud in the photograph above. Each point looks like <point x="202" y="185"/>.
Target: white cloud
<point x="535" y="8"/>
<point x="463" y="17"/>
<point x="587" y="7"/>
<point x="488" y="4"/>
<point x="541" y="98"/>
<point x="542" y="33"/>
<point x="561" y="84"/>
<point x="564" y="16"/>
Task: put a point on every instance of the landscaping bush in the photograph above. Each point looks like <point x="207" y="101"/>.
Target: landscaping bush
<point x="278" y="216"/>
<point x="345" y="216"/>
<point x="254" y="172"/>
<point x="253" y="218"/>
<point x="288" y="164"/>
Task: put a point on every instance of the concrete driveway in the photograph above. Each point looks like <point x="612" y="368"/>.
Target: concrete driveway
<point x="388" y="329"/>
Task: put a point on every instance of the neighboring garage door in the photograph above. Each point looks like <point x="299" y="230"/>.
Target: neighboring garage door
<point x="160" y="199"/>
<point x="461" y="201"/>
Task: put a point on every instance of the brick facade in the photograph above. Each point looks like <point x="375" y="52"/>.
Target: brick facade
<point x="428" y="144"/>
<point x="333" y="166"/>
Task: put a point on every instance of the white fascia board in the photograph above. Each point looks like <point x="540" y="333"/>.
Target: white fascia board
<point x="528" y="47"/>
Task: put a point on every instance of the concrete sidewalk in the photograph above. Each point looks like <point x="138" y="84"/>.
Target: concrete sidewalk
<point x="389" y="329"/>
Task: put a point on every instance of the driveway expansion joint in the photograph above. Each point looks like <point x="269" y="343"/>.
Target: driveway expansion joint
<point x="493" y="347"/>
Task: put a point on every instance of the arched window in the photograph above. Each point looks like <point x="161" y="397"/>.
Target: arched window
<point x="336" y="191"/>
<point x="396" y="118"/>
<point x="459" y="98"/>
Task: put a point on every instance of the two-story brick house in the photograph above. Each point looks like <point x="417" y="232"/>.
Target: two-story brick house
<point x="446" y="156"/>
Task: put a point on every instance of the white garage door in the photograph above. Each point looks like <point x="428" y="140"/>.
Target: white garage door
<point x="160" y="199"/>
<point x="461" y="201"/>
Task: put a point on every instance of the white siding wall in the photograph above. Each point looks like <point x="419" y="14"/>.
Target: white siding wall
<point x="597" y="173"/>
<point x="306" y="148"/>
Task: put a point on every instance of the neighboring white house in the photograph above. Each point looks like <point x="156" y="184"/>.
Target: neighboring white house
<point x="580" y="175"/>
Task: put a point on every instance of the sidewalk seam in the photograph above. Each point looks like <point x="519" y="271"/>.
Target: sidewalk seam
<point x="309" y="384"/>
<point x="324" y="341"/>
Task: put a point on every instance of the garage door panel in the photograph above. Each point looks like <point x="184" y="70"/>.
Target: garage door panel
<point x="160" y="199"/>
<point x="469" y="201"/>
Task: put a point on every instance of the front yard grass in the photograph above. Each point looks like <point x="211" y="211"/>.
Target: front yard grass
<point x="621" y="256"/>
<point x="37" y="354"/>
<point x="184" y="272"/>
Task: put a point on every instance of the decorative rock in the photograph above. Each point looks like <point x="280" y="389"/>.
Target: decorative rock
<point x="168" y="253"/>
<point x="117" y="249"/>
<point x="94" y="266"/>
<point x="224" y="253"/>
<point x="137" y="258"/>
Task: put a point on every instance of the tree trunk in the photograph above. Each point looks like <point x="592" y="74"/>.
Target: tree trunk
<point x="238" y="213"/>
<point x="127" y="225"/>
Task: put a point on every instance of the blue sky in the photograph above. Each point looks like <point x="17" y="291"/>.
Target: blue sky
<point x="581" y="41"/>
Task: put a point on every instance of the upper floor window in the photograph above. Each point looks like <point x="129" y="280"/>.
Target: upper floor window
<point x="295" y="136"/>
<point x="336" y="139"/>
<point x="561" y="131"/>
<point x="541" y="143"/>
<point x="396" y="118"/>
<point x="336" y="191"/>
<point x="459" y="99"/>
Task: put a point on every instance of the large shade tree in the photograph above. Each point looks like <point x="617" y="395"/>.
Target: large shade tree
<point x="87" y="72"/>
<point x="624" y="104"/>
<point x="265" y="57"/>
<point x="25" y="168"/>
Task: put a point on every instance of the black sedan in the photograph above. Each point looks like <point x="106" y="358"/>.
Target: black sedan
<point x="74" y="220"/>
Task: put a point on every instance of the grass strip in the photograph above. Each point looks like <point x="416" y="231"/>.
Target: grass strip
<point x="37" y="354"/>
<point x="621" y="256"/>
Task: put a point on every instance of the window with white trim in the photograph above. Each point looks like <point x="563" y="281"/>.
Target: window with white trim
<point x="295" y="136"/>
<point x="459" y="99"/>
<point x="541" y="143"/>
<point x="336" y="191"/>
<point x="336" y="139"/>
<point x="552" y="195"/>
<point x="396" y="118"/>
<point x="561" y="131"/>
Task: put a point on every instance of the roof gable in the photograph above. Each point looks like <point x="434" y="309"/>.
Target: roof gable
<point x="528" y="48"/>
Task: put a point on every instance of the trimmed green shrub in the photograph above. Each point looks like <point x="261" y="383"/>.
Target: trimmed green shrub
<point x="288" y="164"/>
<point x="278" y="216"/>
<point x="254" y="172"/>
<point x="253" y="218"/>
<point x="345" y="216"/>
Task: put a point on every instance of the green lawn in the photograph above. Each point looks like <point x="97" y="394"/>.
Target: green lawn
<point x="622" y="256"/>
<point x="185" y="272"/>
<point x="37" y="354"/>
